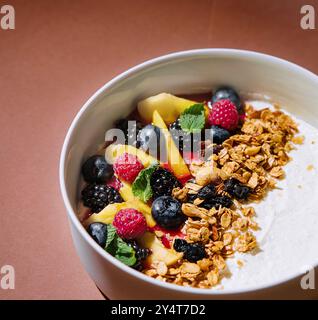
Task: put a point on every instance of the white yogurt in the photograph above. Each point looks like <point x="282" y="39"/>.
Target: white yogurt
<point x="288" y="218"/>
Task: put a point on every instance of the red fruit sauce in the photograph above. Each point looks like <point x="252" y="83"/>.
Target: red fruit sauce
<point x="168" y="236"/>
<point x="115" y="183"/>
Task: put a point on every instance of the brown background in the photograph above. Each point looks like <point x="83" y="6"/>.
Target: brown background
<point x="59" y="54"/>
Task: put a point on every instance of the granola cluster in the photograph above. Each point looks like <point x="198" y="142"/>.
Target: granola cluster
<point x="255" y="156"/>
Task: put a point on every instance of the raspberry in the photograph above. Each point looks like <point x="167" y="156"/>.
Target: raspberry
<point x="127" y="167"/>
<point x="130" y="223"/>
<point x="115" y="183"/>
<point x="224" y="114"/>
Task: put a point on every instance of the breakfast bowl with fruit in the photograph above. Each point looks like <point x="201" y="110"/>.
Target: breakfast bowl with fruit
<point x="192" y="175"/>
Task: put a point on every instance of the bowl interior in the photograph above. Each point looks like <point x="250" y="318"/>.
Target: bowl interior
<point x="186" y="73"/>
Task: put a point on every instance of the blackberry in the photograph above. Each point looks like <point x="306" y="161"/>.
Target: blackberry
<point x="140" y="253"/>
<point x="191" y="251"/>
<point x="98" y="196"/>
<point x="185" y="141"/>
<point x="207" y="192"/>
<point x="237" y="189"/>
<point x="163" y="182"/>
<point x="131" y="129"/>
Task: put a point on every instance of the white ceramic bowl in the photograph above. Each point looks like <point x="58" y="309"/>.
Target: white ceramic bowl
<point x="194" y="71"/>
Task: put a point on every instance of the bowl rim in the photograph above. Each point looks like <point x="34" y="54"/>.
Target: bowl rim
<point x="217" y="52"/>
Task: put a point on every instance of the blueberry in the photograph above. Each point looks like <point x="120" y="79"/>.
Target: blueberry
<point x="96" y="170"/>
<point x="228" y="93"/>
<point x="218" y="135"/>
<point x="167" y="212"/>
<point x="191" y="251"/>
<point x="237" y="189"/>
<point x="98" y="231"/>
<point x="149" y="139"/>
<point x="207" y="192"/>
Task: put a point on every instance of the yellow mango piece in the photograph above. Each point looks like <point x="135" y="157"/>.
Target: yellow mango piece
<point x="108" y="213"/>
<point x="169" y="106"/>
<point x="175" y="159"/>
<point x="126" y="192"/>
<point x="128" y="196"/>
<point x="158" y="251"/>
<point x="113" y="151"/>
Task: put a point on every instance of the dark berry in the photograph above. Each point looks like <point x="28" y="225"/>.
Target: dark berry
<point x="138" y="266"/>
<point x="149" y="140"/>
<point x="228" y="93"/>
<point x="96" y="170"/>
<point x="140" y="253"/>
<point x="180" y="245"/>
<point x="163" y="182"/>
<point x="98" y="196"/>
<point x="218" y="134"/>
<point x="191" y="251"/>
<point x="237" y="189"/>
<point x="211" y="199"/>
<point x="217" y="149"/>
<point x="217" y="202"/>
<point x="98" y="231"/>
<point x="185" y="141"/>
<point x="222" y="201"/>
<point x="191" y="197"/>
<point x="167" y="212"/>
<point x="194" y="252"/>
<point x="130" y="129"/>
<point x="207" y="192"/>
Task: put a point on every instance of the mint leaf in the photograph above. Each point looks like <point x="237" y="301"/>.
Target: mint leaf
<point x="118" y="248"/>
<point x="193" y="118"/>
<point x="111" y="234"/>
<point x="125" y="253"/>
<point x="141" y="187"/>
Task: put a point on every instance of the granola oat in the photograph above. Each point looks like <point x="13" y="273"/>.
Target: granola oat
<point x="254" y="157"/>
